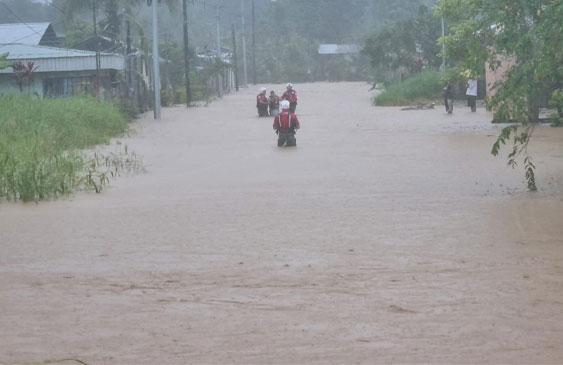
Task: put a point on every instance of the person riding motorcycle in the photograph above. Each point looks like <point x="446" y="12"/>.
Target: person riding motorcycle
<point x="285" y="124"/>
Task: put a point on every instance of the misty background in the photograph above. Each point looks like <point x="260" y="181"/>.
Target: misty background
<point x="287" y="32"/>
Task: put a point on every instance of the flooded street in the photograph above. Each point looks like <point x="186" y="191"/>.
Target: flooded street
<point x="386" y="236"/>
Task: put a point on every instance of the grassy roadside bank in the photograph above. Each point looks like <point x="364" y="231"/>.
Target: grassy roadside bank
<point x="418" y="89"/>
<point x="41" y="143"/>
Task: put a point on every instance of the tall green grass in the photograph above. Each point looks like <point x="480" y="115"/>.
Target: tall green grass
<point x="420" y="88"/>
<point x="41" y="143"/>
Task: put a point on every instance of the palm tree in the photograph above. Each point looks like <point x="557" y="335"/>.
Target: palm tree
<point x="111" y="25"/>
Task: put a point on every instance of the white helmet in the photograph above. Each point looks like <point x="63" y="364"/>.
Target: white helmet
<point x="262" y="89"/>
<point x="289" y="84"/>
<point x="284" y="104"/>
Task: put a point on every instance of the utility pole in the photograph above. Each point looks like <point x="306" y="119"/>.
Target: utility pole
<point x="443" y="66"/>
<point x="219" y="78"/>
<point x="128" y="71"/>
<point x="98" y="55"/>
<point x="128" y="37"/>
<point x="245" y="77"/>
<point x="156" y="60"/>
<point x="94" y="16"/>
<point x="253" y="45"/>
<point x="235" y="56"/>
<point x="186" y="56"/>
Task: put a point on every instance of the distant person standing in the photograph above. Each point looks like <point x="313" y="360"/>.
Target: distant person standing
<point x="290" y="95"/>
<point x="472" y="94"/>
<point x="274" y="103"/>
<point x="262" y="103"/>
<point x="448" y="98"/>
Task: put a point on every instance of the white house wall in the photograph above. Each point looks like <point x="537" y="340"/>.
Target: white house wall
<point x="8" y="86"/>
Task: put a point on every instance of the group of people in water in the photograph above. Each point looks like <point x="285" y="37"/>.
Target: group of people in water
<point x="285" y="121"/>
<point x="270" y="105"/>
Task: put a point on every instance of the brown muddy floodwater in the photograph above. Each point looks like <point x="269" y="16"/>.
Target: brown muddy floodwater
<point x="386" y="236"/>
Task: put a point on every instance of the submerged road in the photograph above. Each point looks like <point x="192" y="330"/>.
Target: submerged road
<point x="386" y="236"/>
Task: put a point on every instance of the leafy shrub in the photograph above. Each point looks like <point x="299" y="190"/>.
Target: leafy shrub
<point x="180" y="96"/>
<point x="166" y="98"/>
<point x="198" y="89"/>
<point x="421" y="87"/>
<point x="127" y="107"/>
<point x="40" y="143"/>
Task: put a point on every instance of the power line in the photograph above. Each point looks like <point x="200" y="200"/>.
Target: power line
<point x="27" y="25"/>
<point x="222" y="8"/>
<point x="22" y="38"/>
<point x="20" y="19"/>
<point x="54" y="6"/>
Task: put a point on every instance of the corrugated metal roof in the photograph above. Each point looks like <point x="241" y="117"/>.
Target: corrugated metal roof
<point x="21" y="33"/>
<point x="338" y="48"/>
<point x="19" y="51"/>
<point x="103" y="44"/>
<point x="51" y="59"/>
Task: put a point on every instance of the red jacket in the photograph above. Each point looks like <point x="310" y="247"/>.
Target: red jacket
<point x="290" y="95"/>
<point x="261" y="100"/>
<point x="285" y="121"/>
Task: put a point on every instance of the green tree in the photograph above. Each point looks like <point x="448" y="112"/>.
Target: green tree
<point x="110" y="25"/>
<point x="295" y="28"/>
<point x="174" y="53"/>
<point x="114" y="12"/>
<point x="395" y="47"/>
<point x="4" y="63"/>
<point x="529" y="32"/>
<point x="329" y="21"/>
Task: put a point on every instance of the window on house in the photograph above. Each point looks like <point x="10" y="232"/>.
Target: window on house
<point x="63" y="87"/>
<point x="54" y="88"/>
<point x="82" y="85"/>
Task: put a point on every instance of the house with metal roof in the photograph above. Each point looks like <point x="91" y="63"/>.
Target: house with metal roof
<point x="98" y="43"/>
<point x="338" y="49"/>
<point x="338" y="62"/>
<point x="62" y="72"/>
<point x="33" y="34"/>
